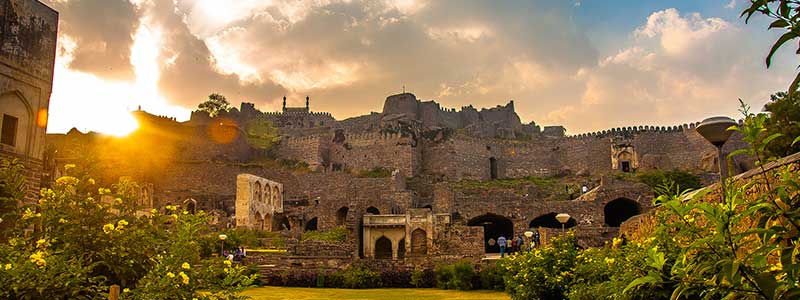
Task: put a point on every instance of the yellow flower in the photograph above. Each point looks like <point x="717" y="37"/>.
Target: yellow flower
<point x="13" y="242"/>
<point x="609" y="260"/>
<point x="118" y="200"/>
<point x="91" y="181"/>
<point x="42" y="201"/>
<point x="185" y="265"/>
<point x="184" y="277"/>
<point x="154" y="211"/>
<point x="67" y="180"/>
<point x="7" y="267"/>
<point x="108" y="228"/>
<point x="68" y="166"/>
<point x="122" y="223"/>
<point x="62" y="221"/>
<point x="42" y="243"/>
<point x="171" y="207"/>
<point x="29" y="214"/>
<point x="38" y="259"/>
<point x="126" y="290"/>
<point x="228" y="263"/>
<point x="616" y="242"/>
<point x="170" y="275"/>
<point x="174" y="216"/>
<point x="688" y="218"/>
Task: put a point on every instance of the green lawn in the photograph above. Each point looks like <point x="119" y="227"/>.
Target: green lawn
<point x="268" y="293"/>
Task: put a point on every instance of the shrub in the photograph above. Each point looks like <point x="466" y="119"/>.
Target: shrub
<point x="335" y="235"/>
<point x="396" y="278"/>
<point x="544" y="273"/>
<point x="456" y="276"/>
<point x="684" y="180"/>
<point x="422" y="277"/>
<point x="492" y="277"/>
<point x="359" y="278"/>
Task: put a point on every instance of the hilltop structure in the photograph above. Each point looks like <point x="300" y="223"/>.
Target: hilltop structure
<point x="415" y="180"/>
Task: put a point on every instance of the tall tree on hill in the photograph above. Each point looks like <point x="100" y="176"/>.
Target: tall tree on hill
<point x="784" y="118"/>
<point x="215" y="104"/>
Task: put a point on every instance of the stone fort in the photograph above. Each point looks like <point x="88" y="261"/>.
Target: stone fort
<point x="415" y="181"/>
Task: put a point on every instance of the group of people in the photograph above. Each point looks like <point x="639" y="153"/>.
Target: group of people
<point x="516" y="244"/>
<point x="237" y="255"/>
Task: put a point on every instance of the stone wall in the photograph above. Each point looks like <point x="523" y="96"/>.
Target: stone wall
<point x="359" y="152"/>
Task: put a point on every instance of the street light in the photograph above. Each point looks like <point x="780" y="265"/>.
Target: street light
<point x="222" y="238"/>
<point x="563" y="218"/>
<point x="715" y="130"/>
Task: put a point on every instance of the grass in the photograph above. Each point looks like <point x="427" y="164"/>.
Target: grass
<point x="468" y="184"/>
<point x="270" y="293"/>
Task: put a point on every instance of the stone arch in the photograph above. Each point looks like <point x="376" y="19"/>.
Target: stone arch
<point x="492" y="168"/>
<point x="259" y="221"/>
<point x="373" y="210"/>
<point x="341" y="216"/>
<point x="311" y="225"/>
<point x="428" y="207"/>
<point x="190" y="205"/>
<point x="494" y="226"/>
<point x="281" y="223"/>
<point x="419" y="242"/>
<point x="18" y="125"/>
<point x="401" y="249"/>
<point x="549" y="221"/>
<point x="625" y="161"/>
<point x="267" y="198"/>
<point x="619" y="210"/>
<point x="257" y="191"/>
<point x="383" y="248"/>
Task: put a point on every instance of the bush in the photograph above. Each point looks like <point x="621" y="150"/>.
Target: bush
<point x="359" y="278"/>
<point x="545" y="273"/>
<point x="335" y="235"/>
<point x="396" y="278"/>
<point x="457" y="276"/>
<point x="492" y="277"/>
<point x="422" y="277"/>
<point x="376" y="172"/>
<point x="90" y="237"/>
<point x="684" y="180"/>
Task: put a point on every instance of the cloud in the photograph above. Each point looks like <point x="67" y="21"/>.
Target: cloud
<point x="103" y="32"/>
<point x="731" y="4"/>
<point x="679" y="69"/>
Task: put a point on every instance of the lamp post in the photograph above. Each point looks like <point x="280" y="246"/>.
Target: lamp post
<point x="529" y="235"/>
<point x="563" y="218"/>
<point x="715" y="131"/>
<point x="222" y="238"/>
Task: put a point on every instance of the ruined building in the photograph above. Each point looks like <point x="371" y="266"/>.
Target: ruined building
<point x="27" y="55"/>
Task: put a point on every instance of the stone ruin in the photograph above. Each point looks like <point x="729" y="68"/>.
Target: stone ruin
<point x="257" y="200"/>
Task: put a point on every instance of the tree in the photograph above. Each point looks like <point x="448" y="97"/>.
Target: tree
<point x="215" y="104"/>
<point x="784" y="118"/>
<point x="786" y="15"/>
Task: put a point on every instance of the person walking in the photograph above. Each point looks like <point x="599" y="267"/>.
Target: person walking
<point x="520" y="243"/>
<point x="536" y="237"/>
<point x="501" y="241"/>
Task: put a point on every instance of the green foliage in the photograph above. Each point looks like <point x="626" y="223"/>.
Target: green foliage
<point x="456" y="276"/>
<point x="215" y="105"/>
<point x="88" y="237"/>
<point x="492" y="277"/>
<point x="355" y="277"/>
<point x="376" y="172"/>
<point x="12" y="188"/>
<point x="334" y="235"/>
<point x="261" y="134"/>
<point x="784" y="118"/>
<point x="785" y="16"/>
<point x="418" y="277"/>
<point x="682" y="179"/>
<point x="544" y="273"/>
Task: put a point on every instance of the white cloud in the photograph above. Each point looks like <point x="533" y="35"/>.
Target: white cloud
<point x="731" y="4"/>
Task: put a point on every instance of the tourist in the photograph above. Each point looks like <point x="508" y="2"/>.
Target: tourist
<point x="237" y="255"/>
<point x="513" y="247"/>
<point x="520" y="243"/>
<point x="244" y="254"/>
<point x="501" y="241"/>
<point x="536" y="237"/>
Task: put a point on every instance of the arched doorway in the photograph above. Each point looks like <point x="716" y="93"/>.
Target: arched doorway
<point x="281" y="223"/>
<point x="492" y="168"/>
<point x="494" y="226"/>
<point x="341" y="216"/>
<point x="401" y="249"/>
<point x="191" y="205"/>
<point x="259" y="221"/>
<point x="619" y="210"/>
<point x="373" y="210"/>
<point x="257" y="192"/>
<point x="383" y="248"/>
<point x="624" y="158"/>
<point x="419" y="242"/>
<point x="550" y="221"/>
<point x="311" y="225"/>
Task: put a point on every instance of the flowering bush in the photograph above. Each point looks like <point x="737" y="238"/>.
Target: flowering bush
<point x="79" y="238"/>
<point x="543" y="273"/>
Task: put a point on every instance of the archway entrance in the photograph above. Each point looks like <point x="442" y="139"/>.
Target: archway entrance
<point x="620" y="210"/>
<point x="281" y="223"/>
<point x="311" y="225"/>
<point x="373" y="210"/>
<point x="494" y="226"/>
<point x="341" y="216"/>
<point x="383" y="248"/>
<point x="550" y="221"/>
<point x="492" y="168"/>
<point x="419" y="242"/>
<point x="625" y="159"/>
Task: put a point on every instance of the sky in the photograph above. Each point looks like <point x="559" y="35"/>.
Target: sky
<point x="587" y="65"/>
